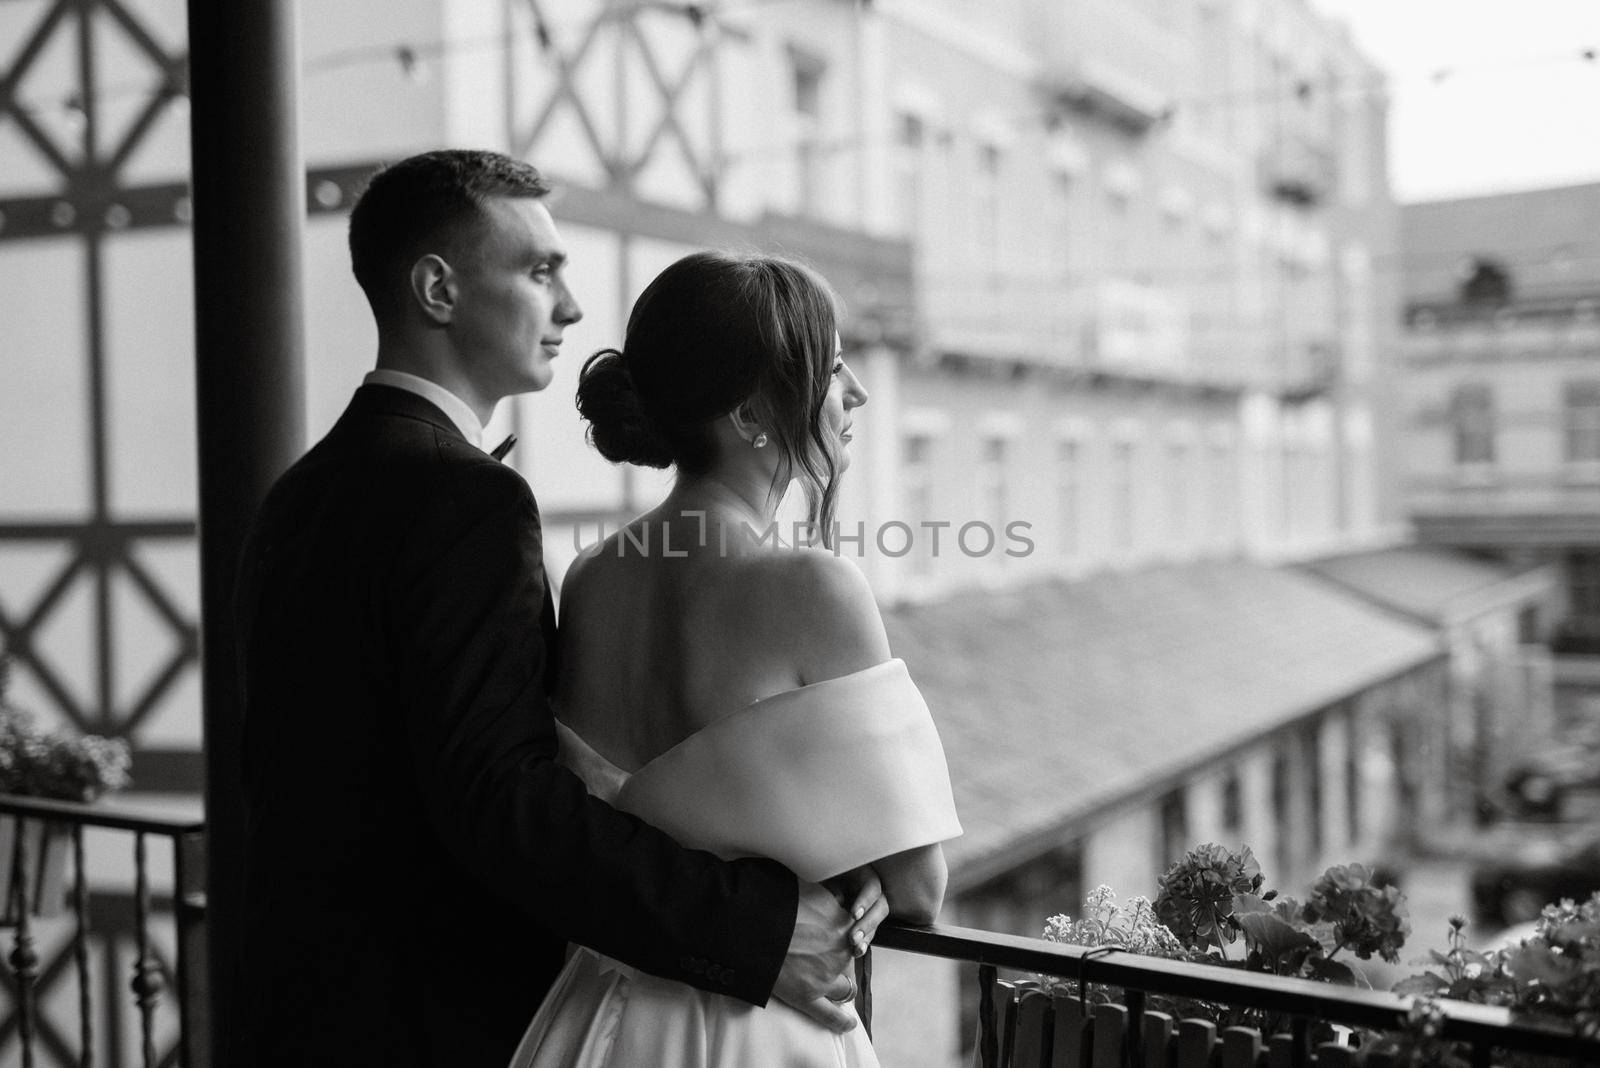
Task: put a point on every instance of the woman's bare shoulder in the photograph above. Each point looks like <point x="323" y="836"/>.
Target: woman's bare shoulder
<point x="827" y="607"/>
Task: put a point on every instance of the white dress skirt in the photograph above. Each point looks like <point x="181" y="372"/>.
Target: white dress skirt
<point x="824" y="778"/>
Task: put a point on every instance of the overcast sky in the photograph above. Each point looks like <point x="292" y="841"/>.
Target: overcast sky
<point x="1488" y="95"/>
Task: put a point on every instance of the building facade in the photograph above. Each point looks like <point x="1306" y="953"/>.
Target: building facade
<point x="1110" y="271"/>
<point x="1501" y="386"/>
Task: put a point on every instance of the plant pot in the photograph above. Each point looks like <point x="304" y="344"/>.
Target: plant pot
<point x="44" y="864"/>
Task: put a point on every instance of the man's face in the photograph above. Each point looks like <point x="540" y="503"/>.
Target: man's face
<point x="512" y="300"/>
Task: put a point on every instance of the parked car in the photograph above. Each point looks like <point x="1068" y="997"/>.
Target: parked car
<point x="1514" y="889"/>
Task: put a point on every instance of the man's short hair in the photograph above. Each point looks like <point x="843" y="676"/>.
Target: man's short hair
<point x="432" y="202"/>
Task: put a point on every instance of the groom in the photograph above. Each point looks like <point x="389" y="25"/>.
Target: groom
<point x="416" y="860"/>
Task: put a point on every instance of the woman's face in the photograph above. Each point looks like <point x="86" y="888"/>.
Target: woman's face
<point x="845" y="394"/>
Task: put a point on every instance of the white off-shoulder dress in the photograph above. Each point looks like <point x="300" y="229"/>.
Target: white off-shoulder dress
<point x="824" y="778"/>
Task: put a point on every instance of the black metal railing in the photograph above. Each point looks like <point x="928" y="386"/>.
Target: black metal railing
<point x="42" y="834"/>
<point x="1068" y="1030"/>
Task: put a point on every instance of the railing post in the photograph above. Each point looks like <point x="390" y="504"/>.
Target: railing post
<point x="189" y="913"/>
<point x="864" y="990"/>
<point x="80" y="949"/>
<point x="988" y="1042"/>
<point x="146" y="984"/>
<point x="24" y="960"/>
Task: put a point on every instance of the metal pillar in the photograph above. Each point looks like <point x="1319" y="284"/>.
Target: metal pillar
<point x="249" y="206"/>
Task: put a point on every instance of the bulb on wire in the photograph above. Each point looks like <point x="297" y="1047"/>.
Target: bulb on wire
<point x="412" y="65"/>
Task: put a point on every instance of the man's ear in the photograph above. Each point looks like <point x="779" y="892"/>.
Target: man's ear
<point x="433" y="287"/>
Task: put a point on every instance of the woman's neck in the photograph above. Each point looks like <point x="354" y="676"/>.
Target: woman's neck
<point x="724" y="498"/>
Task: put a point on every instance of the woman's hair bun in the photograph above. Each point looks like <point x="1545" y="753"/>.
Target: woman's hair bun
<point x="619" y="426"/>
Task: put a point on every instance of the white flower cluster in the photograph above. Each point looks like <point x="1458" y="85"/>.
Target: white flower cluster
<point x="1132" y="927"/>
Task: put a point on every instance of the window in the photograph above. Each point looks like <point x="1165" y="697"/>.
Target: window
<point x="992" y="491"/>
<point x="1583" y="594"/>
<point x="988" y="207"/>
<point x="1283" y="825"/>
<point x="1058" y="222"/>
<point x="1178" y="489"/>
<point x="1352" y="773"/>
<point x="1472" y="420"/>
<point x="1122" y="490"/>
<point x="1174" y="829"/>
<point x="1312" y="750"/>
<point x="1069" y="491"/>
<point x="911" y="136"/>
<point x="1222" y="489"/>
<point x="1582" y="422"/>
<point x="1232" y="805"/>
<point x="916" y="479"/>
<point x="808" y="71"/>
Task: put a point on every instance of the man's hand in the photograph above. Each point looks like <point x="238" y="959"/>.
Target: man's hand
<point x="817" y="974"/>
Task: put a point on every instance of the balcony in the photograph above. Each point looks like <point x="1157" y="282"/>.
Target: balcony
<point x="1297" y="170"/>
<point x="1106" y="1020"/>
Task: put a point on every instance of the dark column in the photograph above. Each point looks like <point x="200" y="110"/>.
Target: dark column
<point x="249" y="209"/>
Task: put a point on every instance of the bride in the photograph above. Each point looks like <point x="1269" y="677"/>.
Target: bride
<point x="723" y="684"/>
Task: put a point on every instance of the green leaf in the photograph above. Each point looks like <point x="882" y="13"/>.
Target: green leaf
<point x="1425" y="985"/>
<point x="1243" y="903"/>
<point x="1274" y="938"/>
<point x="1330" y="971"/>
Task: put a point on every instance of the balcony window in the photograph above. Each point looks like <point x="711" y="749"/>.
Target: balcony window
<point x="1232" y="806"/>
<point x="807" y="73"/>
<point x="1582" y="422"/>
<point x="1283" y="826"/>
<point x="1058" y="225"/>
<point x="1178" y="490"/>
<point x="1312" y="748"/>
<point x="1472" y="422"/>
<point x="1122" y="491"/>
<point x="1583" y="594"/>
<point x="1221" y="498"/>
<point x="911" y="136"/>
<point x="916" y="478"/>
<point x="1352" y="774"/>
<point x="993" y="490"/>
<point x="1174" y="838"/>
<point x="1069" y="496"/>
<point x="988" y="204"/>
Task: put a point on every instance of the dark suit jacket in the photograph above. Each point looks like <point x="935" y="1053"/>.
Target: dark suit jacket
<point x="416" y="859"/>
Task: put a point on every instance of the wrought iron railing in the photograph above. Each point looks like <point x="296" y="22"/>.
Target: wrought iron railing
<point x="41" y="835"/>
<point x="1021" y="1026"/>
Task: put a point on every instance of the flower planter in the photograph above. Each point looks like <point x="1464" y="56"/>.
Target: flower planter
<point x="44" y="865"/>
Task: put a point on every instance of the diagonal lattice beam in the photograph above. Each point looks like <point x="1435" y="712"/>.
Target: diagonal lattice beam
<point x="30" y="50"/>
<point x="18" y="638"/>
<point x="141" y="36"/>
<point x="170" y="90"/>
<point x="671" y="95"/>
<point x="41" y="140"/>
<point x="566" y="90"/>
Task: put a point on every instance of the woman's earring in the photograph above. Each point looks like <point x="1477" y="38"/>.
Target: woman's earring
<point x="760" y="442"/>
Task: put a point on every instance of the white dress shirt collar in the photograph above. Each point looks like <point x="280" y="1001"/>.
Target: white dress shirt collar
<point x="459" y="411"/>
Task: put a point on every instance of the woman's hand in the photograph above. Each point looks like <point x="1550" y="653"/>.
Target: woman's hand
<point x="860" y="893"/>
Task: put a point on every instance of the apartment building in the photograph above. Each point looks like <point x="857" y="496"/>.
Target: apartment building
<point x="1500" y="387"/>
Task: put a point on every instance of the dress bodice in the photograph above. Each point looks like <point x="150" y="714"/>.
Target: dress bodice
<point x="824" y="778"/>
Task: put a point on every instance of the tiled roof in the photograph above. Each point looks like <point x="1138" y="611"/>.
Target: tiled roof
<point x="1423" y="582"/>
<point x="1539" y="234"/>
<point x="1057" y="699"/>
